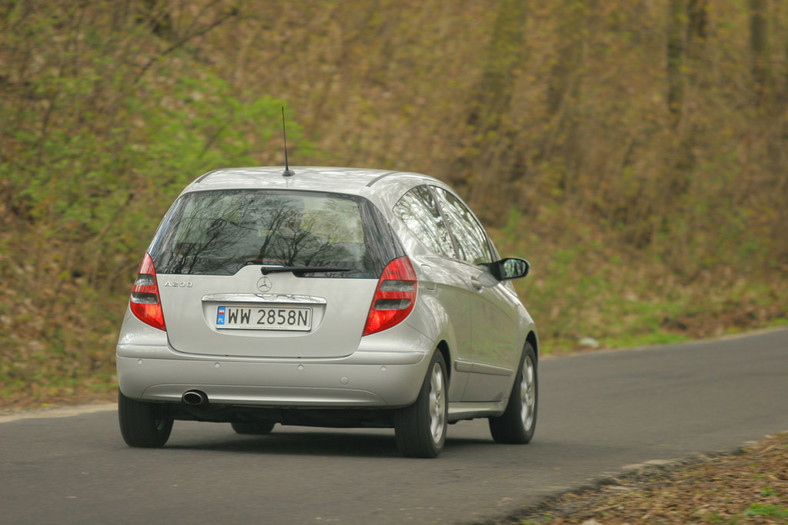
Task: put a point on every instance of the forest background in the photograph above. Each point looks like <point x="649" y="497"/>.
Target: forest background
<point x="633" y="150"/>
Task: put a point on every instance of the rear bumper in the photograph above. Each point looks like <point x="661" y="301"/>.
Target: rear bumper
<point x="382" y="379"/>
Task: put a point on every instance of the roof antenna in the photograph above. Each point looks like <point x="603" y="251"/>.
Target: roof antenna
<point x="288" y="172"/>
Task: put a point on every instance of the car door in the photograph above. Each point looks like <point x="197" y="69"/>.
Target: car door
<point x="441" y="279"/>
<point x="492" y="306"/>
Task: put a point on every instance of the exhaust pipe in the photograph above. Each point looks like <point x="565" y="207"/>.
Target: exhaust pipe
<point x="194" y="398"/>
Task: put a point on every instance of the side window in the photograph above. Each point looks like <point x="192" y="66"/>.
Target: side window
<point x="471" y="239"/>
<point x="418" y="211"/>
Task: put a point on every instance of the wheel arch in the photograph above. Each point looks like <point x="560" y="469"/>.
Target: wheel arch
<point x="443" y="348"/>
<point x="533" y="340"/>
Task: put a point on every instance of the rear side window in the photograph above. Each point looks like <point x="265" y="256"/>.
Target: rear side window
<point x="471" y="239"/>
<point x="418" y="211"/>
<point x="219" y="232"/>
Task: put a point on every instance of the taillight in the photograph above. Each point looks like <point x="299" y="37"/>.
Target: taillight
<point x="145" y="302"/>
<point x="394" y="296"/>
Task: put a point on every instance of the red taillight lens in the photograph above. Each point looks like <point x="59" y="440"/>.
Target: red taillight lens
<point x="145" y="302"/>
<point x="394" y="296"/>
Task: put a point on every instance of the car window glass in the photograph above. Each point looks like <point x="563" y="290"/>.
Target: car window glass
<point x="471" y="239"/>
<point x="418" y="211"/>
<point x="218" y="232"/>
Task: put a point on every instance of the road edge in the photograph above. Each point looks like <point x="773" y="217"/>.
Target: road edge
<point x="628" y="473"/>
<point x="8" y="415"/>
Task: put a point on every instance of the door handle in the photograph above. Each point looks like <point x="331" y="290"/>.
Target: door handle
<point x="477" y="285"/>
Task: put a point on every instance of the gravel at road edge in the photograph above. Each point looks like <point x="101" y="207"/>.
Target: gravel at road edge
<point x="746" y="485"/>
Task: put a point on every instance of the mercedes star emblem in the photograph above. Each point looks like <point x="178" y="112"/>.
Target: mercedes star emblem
<point x="264" y="284"/>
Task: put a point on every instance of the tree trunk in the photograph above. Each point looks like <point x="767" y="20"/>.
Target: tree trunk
<point x="759" y="46"/>
<point x="503" y="55"/>
<point x="675" y="59"/>
<point x="487" y="164"/>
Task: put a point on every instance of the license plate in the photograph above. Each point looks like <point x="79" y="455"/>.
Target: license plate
<point x="263" y="318"/>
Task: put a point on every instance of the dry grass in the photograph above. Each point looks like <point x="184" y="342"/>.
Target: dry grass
<point x="748" y="487"/>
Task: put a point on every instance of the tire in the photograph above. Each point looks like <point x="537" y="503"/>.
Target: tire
<point x="420" y="429"/>
<point x="518" y="423"/>
<point x="257" y="428"/>
<point x="143" y="424"/>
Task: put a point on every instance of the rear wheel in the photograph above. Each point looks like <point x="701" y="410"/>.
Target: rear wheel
<point x="518" y="423"/>
<point x="420" y="429"/>
<point x="253" y="427"/>
<point x="143" y="424"/>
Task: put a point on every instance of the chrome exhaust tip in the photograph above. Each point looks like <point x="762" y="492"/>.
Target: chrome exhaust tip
<point x="194" y="398"/>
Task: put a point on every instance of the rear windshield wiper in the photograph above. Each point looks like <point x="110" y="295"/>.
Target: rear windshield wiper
<point x="265" y="270"/>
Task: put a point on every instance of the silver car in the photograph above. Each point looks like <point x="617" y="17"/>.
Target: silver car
<point x="326" y="297"/>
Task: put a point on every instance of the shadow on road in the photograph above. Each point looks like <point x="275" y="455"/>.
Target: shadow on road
<point x="335" y="443"/>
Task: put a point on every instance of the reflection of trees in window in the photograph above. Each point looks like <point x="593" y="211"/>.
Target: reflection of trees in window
<point x="471" y="239"/>
<point x="218" y="232"/>
<point x="203" y="234"/>
<point x="420" y="214"/>
<point x="284" y="238"/>
<point x="336" y="220"/>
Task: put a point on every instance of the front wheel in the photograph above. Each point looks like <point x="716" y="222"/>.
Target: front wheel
<point x="420" y="429"/>
<point x="143" y="424"/>
<point x="518" y="423"/>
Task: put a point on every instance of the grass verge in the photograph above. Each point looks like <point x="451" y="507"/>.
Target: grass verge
<point x="749" y="486"/>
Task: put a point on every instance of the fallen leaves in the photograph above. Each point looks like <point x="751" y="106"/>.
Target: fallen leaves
<point x="749" y="487"/>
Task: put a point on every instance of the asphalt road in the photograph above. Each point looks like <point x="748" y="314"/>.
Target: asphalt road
<point x="599" y="414"/>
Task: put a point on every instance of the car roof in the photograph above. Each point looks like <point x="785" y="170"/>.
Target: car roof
<point x="354" y="181"/>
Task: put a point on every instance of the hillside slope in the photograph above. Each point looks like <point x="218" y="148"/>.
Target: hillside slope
<point x="635" y="153"/>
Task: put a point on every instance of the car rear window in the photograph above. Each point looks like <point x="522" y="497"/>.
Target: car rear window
<point x="219" y="232"/>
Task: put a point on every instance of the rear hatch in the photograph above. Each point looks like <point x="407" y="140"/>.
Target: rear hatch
<point x="277" y="274"/>
<point x="298" y="317"/>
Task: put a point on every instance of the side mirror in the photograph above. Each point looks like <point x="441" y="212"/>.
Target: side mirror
<point x="509" y="268"/>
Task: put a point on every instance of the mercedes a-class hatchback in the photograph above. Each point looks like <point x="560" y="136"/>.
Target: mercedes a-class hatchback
<point x="327" y="297"/>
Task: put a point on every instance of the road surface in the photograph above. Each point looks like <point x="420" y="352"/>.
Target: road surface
<point x="599" y="414"/>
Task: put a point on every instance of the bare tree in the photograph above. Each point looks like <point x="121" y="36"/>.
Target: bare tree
<point x="759" y="46"/>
